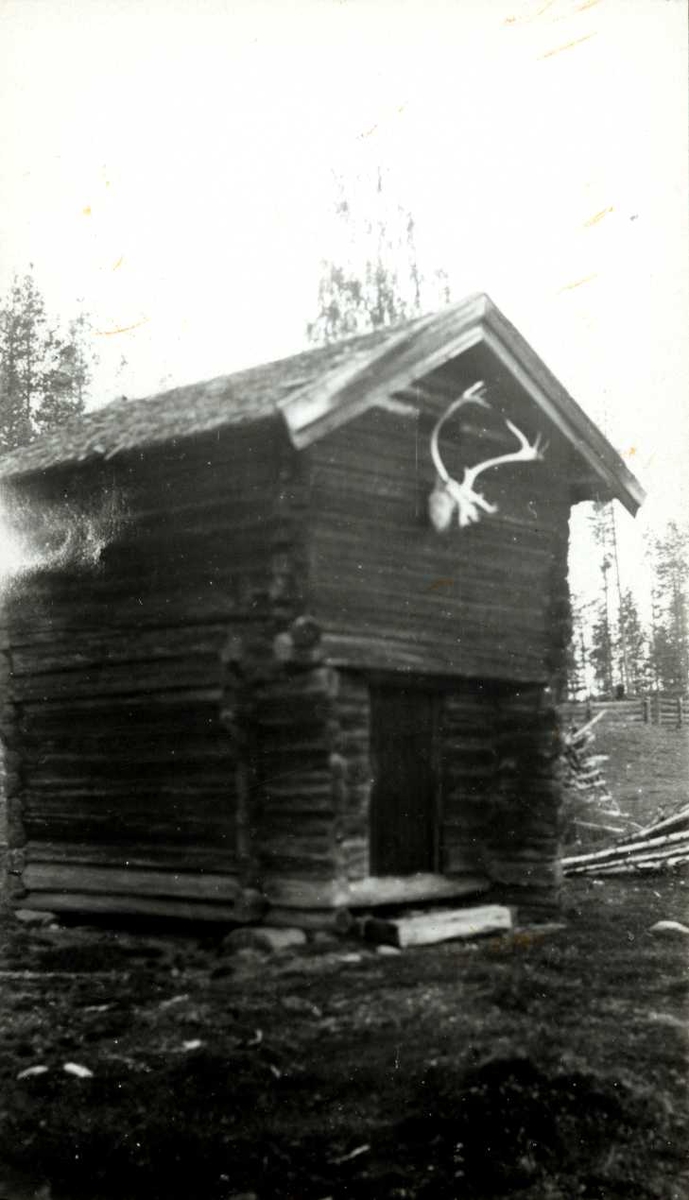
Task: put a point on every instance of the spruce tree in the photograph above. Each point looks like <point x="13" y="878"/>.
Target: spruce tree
<point x="44" y="370"/>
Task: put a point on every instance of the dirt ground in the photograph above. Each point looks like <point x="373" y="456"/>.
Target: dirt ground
<point x="648" y="767"/>
<point x="539" y="1065"/>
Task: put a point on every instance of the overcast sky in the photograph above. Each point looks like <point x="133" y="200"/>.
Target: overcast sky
<point x="169" y="166"/>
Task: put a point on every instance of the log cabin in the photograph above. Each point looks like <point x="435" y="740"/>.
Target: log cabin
<point x="272" y="653"/>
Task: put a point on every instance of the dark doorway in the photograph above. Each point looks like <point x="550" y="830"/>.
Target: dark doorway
<point x="405" y="798"/>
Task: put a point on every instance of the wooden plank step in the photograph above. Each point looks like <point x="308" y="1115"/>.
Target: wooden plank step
<point x="439" y="925"/>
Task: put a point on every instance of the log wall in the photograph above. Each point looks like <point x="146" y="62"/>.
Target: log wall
<point x="353" y="708"/>
<point x="487" y="601"/>
<point x="313" y="777"/>
<point x="128" y="677"/>
<point x="524" y="830"/>
<point x="468" y="757"/>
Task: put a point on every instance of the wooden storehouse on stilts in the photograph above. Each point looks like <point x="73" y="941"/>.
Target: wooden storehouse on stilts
<point x="275" y="648"/>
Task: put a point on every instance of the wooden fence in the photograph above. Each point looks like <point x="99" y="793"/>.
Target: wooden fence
<point x="657" y="709"/>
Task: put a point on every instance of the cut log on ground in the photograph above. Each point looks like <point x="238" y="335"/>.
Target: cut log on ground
<point x="441" y="925"/>
<point x="660" y="846"/>
<point x="624" y="850"/>
<point x="677" y="821"/>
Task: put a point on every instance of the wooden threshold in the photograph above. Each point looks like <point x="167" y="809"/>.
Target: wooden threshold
<point x="402" y="889"/>
<point x="373" y="890"/>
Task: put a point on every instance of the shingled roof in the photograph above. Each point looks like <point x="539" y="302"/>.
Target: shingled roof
<point x="182" y="412"/>
<point x="321" y="389"/>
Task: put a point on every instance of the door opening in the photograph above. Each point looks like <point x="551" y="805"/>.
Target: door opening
<point x="405" y="800"/>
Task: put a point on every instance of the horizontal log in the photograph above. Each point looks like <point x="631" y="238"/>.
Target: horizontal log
<point x="624" y="849"/>
<point x="399" y="654"/>
<point x="95" y="649"/>
<point x="165" y="792"/>
<point x="52" y="877"/>
<point x="125" y="678"/>
<point x="285" y="855"/>
<point x="164" y="840"/>
<point x="173" y="697"/>
<point x="510" y="619"/>
<point x="161" y="855"/>
<point x="301" y="834"/>
<point x="70" y="754"/>
<point x="96" y="903"/>
<point x="631" y="865"/>
<point x="86" y="792"/>
<point x="638" y="858"/>
<point x="430" y="576"/>
<point x="146" y="822"/>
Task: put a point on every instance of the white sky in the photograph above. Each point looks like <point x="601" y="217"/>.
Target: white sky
<point x="168" y="165"/>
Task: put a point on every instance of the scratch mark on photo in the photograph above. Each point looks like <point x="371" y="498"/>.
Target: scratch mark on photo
<point x="568" y="45"/>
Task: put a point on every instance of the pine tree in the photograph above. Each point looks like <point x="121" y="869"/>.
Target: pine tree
<point x="670" y="639"/>
<point x="578" y="652"/>
<point x="601" y="652"/>
<point x="375" y="279"/>
<point x="636" y="646"/>
<point x="44" y="372"/>
<point x="613" y="609"/>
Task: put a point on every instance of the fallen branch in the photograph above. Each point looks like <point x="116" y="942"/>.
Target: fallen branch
<point x="595" y="825"/>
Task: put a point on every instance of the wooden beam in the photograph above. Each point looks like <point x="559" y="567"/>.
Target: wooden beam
<point x="425" y="929"/>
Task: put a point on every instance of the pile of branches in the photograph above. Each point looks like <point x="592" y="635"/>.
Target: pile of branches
<point x="661" y="846"/>
<point x="590" y="811"/>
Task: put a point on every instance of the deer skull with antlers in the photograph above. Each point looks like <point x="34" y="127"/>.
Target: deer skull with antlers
<point x="448" y="495"/>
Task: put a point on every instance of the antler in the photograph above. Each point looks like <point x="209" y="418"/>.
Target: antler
<point x="526" y="453"/>
<point x="448" y="494"/>
<point x="472" y="395"/>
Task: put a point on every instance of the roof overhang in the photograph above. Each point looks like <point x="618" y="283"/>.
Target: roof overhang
<point x="367" y="379"/>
